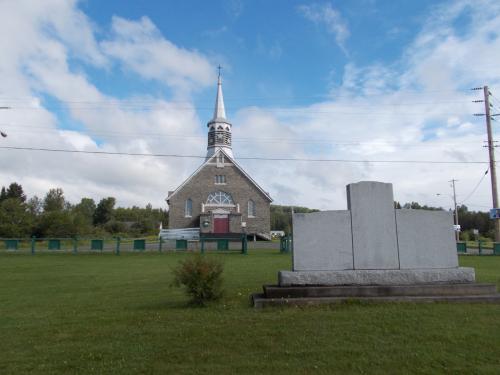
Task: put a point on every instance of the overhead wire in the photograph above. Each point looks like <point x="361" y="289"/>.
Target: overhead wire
<point x="475" y="187"/>
<point x="243" y="157"/>
<point x="325" y="141"/>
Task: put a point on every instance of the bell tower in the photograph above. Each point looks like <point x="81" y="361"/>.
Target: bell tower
<point x="219" y="128"/>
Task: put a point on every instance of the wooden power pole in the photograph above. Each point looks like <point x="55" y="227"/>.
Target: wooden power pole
<point x="457" y="232"/>
<point x="491" y="152"/>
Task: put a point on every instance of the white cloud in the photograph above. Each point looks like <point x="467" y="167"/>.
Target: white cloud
<point x="418" y="108"/>
<point x="38" y="60"/>
<point x="414" y="109"/>
<point x="140" y="47"/>
<point x="329" y="17"/>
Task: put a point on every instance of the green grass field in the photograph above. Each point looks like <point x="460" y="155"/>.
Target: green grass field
<point x="106" y="314"/>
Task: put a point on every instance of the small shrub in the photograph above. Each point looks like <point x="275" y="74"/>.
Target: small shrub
<point x="201" y="278"/>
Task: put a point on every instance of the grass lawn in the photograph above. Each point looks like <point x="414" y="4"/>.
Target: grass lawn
<point x="106" y="314"/>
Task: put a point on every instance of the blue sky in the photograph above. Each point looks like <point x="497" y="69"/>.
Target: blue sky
<point x="359" y="80"/>
<point x="263" y="44"/>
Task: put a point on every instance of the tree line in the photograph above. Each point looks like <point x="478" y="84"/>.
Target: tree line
<point x="468" y="220"/>
<point x="281" y="219"/>
<point x="54" y="216"/>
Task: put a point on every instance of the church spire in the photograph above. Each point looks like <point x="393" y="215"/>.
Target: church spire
<point x="219" y="111"/>
<point x="219" y="128"/>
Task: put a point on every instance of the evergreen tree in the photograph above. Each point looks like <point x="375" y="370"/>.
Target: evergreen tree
<point x="3" y="194"/>
<point x="15" y="191"/>
<point x="104" y="211"/>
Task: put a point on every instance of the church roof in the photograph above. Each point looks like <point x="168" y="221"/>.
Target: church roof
<point x="265" y="193"/>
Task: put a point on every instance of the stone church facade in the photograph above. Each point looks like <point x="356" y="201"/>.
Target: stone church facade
<point x="220" y="197"/>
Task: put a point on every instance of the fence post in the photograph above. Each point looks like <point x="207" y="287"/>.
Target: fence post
<point x="33" y="242"/>
<point x="118" y="245"/>
<point x="75" y="245"/>
<point x="160" y="244"/>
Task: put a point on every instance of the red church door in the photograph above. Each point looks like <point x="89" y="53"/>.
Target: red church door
<point x="221" y="224"/>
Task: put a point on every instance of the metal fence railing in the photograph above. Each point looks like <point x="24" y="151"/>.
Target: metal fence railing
<point x="117" y="245"/>
<point x="478" y="247"/>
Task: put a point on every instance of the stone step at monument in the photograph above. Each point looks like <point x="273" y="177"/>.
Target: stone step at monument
<point x="440" y="289"/>
<point x="260" y="301"/>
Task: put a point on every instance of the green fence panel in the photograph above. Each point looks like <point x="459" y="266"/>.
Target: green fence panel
<point x="222" y="245"/>
<point x="496" y="248"/>
<point x="140" y="245"/>
<point x="461" y="247"/>
<point x="181" y="244"/>
<point x="96" y="245"/>
<point x="54" y="244"/>
<point x="11" y="244"/>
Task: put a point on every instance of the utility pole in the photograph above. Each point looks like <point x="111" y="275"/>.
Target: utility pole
<point x="457" y="232"/>
<point x="491" y="152"/>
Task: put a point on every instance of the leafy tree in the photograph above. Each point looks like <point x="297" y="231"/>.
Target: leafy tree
<point x="281" y="216"/>
<point x="56" y="223"/>
<point x="35" y="206"/>
<point x="86" y="209"/>
<point x="15" y="219"/>
<point x="54" y="200"/>
<point x="104" y="211"/>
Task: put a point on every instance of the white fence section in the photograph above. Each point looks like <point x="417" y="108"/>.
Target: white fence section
<point x="180" y="234"/>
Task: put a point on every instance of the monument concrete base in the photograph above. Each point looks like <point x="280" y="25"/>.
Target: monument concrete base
<point x="318" y="295"/>
<point x="302" y="288"/>
<point x="377" y="277"/>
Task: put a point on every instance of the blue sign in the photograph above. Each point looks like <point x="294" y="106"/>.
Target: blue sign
<point x="495" y="213"/>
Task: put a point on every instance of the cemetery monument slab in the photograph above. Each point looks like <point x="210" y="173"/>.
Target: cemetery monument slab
<point x="374" y="247"/>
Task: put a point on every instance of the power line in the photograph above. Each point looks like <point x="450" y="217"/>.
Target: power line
<point x="267" y="97"/>
<point x="244" y="158"/>
<point x="301" y="111"/>
<point x="475" y="188"/>
<point x="326" y="142"/>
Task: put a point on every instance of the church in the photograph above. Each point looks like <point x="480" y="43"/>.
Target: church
<point x="220" y="197"/>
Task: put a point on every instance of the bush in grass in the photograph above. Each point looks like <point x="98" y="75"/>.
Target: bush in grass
<point x="201" y="278"/>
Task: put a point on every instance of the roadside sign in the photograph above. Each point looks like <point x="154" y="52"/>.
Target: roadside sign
<point x="495" y="213"/>
<point x="456" y="228"/>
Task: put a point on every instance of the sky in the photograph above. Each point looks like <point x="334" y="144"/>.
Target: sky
<point x="361" y="90"/>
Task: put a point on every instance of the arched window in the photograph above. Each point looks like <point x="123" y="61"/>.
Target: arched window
<point x="219" y="198"/>
<point x="188" y="209"/>
<point x="251" y="208"/>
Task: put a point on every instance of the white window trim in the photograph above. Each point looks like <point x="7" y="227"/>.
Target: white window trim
<point x="217" y="178"/>
<point x="186" y="208"/>
<point x="251" y="214"/>
<point x="220" y="193"/>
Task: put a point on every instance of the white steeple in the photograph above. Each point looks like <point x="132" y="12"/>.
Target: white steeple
<point x="219" y="128"/>
<point x="219" y="111"/>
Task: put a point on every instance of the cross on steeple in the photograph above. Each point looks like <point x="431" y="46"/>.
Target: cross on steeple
<point x="219" y="68"/>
